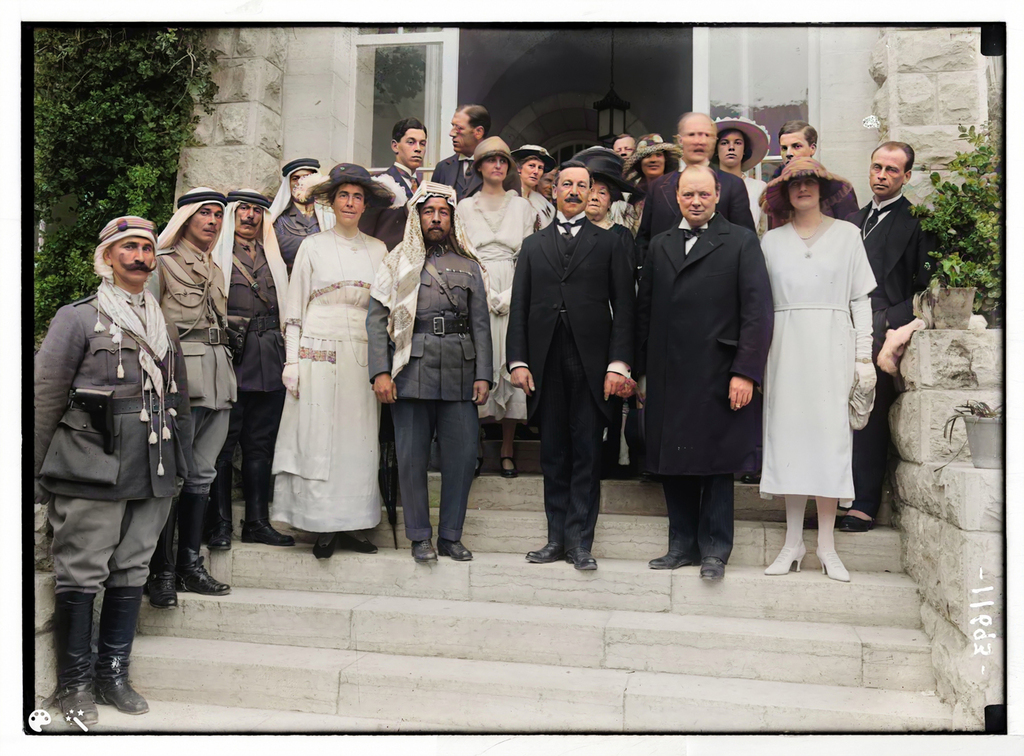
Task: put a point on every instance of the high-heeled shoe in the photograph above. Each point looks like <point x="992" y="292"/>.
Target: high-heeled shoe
<point x="832" y="566"/>
<point x="787" y="557"/>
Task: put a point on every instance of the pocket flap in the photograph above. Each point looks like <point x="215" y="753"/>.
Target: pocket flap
<point x="468" y="350"/>
<point x="416" y="348"/>
<point x="106" y="344"/>
<point x="193" y="348"/>
<point x="729" y="342"/>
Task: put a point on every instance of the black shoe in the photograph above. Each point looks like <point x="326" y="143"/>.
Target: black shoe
<point x="72" y="637"/>
<point x="423" y="551"/>
<point x="350" y="542"/>
<point x="118" y="618"/>
<point x="509" y="472"/>
<point x="217" y="521"/>
<point x="324" y="546"/>
<point x="581" y="559"/>
<point x="851" y="524"/>
<point x="256" y="527"/>
<point x="712" y="568"/>
<point x="196" y="579"/>
<point x="750" y="478"/>
<point x="454" y="549"/>
<point x="160" y="589"/>
<point x="551" y="552"/>
<point x="671" y="561"/>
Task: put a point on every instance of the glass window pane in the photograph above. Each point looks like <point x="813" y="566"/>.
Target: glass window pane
<point x="391" y="82"/>
<point x="759" y="73"/>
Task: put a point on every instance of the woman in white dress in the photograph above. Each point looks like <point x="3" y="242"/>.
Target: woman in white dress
<point x="534" y="161"/>
<point x="327" y="452"/>
<point x="742" y="145"/>
<point x="497" y="220"/>
<point x="821" y="349"/>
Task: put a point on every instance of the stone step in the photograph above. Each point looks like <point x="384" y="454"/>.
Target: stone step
<point x="804" y="652"/>
<point x="473" y="695"/>
<point x="876" y="599"/>
<point x="619" y="536"/>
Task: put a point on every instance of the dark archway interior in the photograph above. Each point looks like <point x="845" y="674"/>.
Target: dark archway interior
<point x="507" y="69"/>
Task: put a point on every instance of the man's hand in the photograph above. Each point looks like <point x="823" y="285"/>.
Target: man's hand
<point x="522" y="378"/>
<point x="614" y="385"/>
<point x="481" y="390"/>
<point x="290" y="378"/>
<point x="385" y="389"/>
<point x="741" y="391"/>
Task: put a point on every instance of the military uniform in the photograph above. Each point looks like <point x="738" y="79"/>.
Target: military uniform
<point x="451" y="349"/>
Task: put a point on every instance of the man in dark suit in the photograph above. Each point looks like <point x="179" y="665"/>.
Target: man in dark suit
<point x="569" y="351"/>
<point x="703" y="328"/>
<point x="470" y="125"/>
<point x="898" y="250"/>
<point x="697" y="136"/>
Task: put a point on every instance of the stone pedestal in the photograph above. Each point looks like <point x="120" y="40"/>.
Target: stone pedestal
<point x="951" y="516"/>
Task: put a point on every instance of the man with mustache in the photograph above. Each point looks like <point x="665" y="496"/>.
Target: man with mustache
<point x="191" y="290"/>
<point x="295" y="215"/>
<point x="257" y="281"/>
<point x="698" y="136"/>
<point x="112" y="431"/>
<point x="569" y="347"/>
<point x="429" y="353"/>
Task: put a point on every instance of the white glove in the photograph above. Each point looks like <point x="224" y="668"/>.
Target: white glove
<point x="290" y="378"/>
<point x="860" y="309"/>
<point x="864" y="376"/>
<point x="291" y="342"/>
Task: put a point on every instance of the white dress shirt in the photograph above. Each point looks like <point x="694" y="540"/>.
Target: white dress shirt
<point x="685" y="225"/>
<point x="875" y="205"/>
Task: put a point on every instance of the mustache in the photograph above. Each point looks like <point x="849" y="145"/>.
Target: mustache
<point x="247" y="222"/>
<point x="139" y="265"/>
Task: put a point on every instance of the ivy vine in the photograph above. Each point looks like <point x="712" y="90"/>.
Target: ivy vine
<point x="113" y="108"/>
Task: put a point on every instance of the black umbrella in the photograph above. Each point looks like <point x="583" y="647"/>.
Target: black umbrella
<point x="387" y="473"/>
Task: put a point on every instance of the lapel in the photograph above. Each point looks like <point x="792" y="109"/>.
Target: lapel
<point x="549" y="246"/>
<point x="708" y="242"/>
<point x="585" y="241"/>
<point x="894" y="231"/>
<point x="668" y="194"/>
<point x="401" y="179"/>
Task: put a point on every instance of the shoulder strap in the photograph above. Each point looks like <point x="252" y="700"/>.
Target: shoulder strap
<point x="432" y="272"/>
<point x="253" y="284"/>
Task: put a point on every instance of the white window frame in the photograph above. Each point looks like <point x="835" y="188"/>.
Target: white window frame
<point x="442" y="85"/>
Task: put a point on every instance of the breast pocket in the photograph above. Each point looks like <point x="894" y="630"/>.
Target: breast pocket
<point x="459" y="283"/>
<point x="103" y="349"/>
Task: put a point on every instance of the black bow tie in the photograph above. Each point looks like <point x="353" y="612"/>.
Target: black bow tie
<point x="569" y="225"/>
<point x="692" y="233"/>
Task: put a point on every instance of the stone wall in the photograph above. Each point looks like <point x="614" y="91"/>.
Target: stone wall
<point x="930" y="81"/>
<point x="951" y="515"/>
<point x="239" y="144"/>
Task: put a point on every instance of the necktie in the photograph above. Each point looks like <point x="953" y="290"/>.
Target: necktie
<point x="567" y="227"/>
<point x="691" y="233"/>
<point x="465" y="167"/>
<point x="872" y="220"/>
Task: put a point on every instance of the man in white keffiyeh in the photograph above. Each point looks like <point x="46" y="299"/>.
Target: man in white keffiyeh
<point x="112" y="432"/>
<point x="429" y="350"/>
<point x="294" y="214"/>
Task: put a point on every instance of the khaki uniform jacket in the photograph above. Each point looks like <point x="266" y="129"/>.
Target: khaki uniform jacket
<point x="69" y="452"/>
<point x="182" y="273"/>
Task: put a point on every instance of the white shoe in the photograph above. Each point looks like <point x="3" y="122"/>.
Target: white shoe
<point x="784" y="561"/>
<point x="832" y="566"/>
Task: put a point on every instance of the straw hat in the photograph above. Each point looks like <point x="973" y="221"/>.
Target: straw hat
<point x="755" y="139"/>
<point x="775" y="199"/>
<point x="377" y="195"/>
<point x="651" y="144"/>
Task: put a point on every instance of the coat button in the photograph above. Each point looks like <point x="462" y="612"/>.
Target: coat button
<point x="554" y="307"/>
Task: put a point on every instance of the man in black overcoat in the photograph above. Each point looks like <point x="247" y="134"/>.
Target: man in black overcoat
<point x="697" y="136"/>
<point x="569" y="346"/>
<point x="703" y="327"/>
<point x="898" y="250"/>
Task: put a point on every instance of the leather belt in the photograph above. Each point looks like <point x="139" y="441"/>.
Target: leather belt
<point x="442" y="325"/>
<point x="133" y="404"/>
<point x="212" y="336"/>
<point x="264" y="323"/>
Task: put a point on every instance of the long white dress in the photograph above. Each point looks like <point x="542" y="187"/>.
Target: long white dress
<point x="498" y="236"/>
<point x="326" y="457"/>
<point x="808" y="442"/>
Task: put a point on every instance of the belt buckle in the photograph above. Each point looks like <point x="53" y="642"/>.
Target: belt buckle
<point x="214" y="335"/>
<point x="439" y="323"/>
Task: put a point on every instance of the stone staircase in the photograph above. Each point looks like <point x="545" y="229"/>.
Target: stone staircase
<point x="379" y="643"/>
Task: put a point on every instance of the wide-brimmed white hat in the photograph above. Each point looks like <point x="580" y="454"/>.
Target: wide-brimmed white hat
<point x="755" y="137"/>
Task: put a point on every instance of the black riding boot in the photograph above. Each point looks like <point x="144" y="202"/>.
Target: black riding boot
<point x="160" y="585"/>
<point x="118" y="617"/>
<point x="256" y="526"/>
<point x="72" y="636"/>
<point x="217" y="525"/>
<point x="189" y="573"/>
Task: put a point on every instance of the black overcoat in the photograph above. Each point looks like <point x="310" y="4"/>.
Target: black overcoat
<point x="701" y="319"/>
<point x="597" y="292"/>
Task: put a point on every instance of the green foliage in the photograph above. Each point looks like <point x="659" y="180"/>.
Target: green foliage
<point x="113" y="108"/>
<point x="965" y="217"/>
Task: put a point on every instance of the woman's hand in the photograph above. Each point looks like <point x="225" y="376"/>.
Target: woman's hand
<point x="290" y="378"/>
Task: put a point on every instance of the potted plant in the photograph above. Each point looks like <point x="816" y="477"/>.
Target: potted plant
<point x="984" y="426"/>
<point x="964" y="217"/>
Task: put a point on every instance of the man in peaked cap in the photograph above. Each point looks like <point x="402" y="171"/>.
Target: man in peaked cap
<point x="190" y="288"/>
<point x="429" y="300"/>
<point x="257" y="282"/>
<point x="293" y="215"/>
<point x="112" y="430"/>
